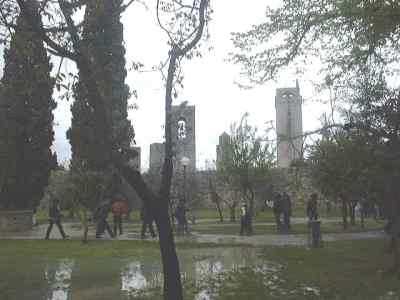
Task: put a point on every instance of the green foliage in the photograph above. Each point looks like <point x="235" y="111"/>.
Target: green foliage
<point x="103" y="44"/>
<point x="342" y="164"/>
<point x="90" y="187"/>
<point x="92" y="154"/>
<point x="250" y="161"/>
<point x="60" y="187"/>
<point x="26" y="120"/>
<point x="344" y="34"/>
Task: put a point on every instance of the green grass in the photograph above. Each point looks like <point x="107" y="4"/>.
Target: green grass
<point x="341" y="270"/>
<point x="351" y="270"/>
<point x="260" y="229"/>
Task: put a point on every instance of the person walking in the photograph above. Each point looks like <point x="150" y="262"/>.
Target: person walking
<point x="312" y="207"/>
<point x="244" y="219"/>
<point x="147" y="221"/>
<point x="118" y="209"/>
<point x="180" y="215"/>
<point x="277" y="209"/>
<point x="287" y="210"/>
<point x="102" y="223"/>
<point x="55" y="218"/>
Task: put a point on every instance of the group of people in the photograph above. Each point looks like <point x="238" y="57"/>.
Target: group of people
<point x="118" y="208"/>
<point x="282" y="207"/>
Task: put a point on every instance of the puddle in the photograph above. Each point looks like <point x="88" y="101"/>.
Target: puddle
<point x="390" y="295"/>
<point x="206" y="273"/>
<point x="120" y="278"/>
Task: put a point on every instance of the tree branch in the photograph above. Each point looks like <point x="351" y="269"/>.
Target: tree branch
<point x="35" y="20"/>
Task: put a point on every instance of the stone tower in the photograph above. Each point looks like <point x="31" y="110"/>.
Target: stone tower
<point x="183" y="140"/>
<point x="224" y="150"/>
<point x="184" y="135"/>
<point x="289" y="125"/>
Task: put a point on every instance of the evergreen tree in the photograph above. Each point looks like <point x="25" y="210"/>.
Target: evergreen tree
<point x="26" y="120"/>
<point x="103" y="44"/>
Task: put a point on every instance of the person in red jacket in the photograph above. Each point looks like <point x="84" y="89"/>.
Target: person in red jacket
<point x="118" y="208"/>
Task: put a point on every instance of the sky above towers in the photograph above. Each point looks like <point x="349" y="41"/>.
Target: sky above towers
<point x="209" y="82"/>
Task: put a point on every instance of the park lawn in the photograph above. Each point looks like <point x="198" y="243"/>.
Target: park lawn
<point x="341" y="270"/>
<point x="260" y="229"/>
<point x="351" y="270"/>
<point x="262" y="216"/>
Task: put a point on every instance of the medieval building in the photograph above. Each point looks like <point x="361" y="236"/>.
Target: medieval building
<point x="183" y="140"/>
<point x="224" y="150"/>
<point x="289" y="125"/>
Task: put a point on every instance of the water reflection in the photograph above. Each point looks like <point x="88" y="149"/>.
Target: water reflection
<point x="132" y="278"/>
<point x="59" y="276"/>
<point x="207" y="268"/>
<point x="127" y="278"/>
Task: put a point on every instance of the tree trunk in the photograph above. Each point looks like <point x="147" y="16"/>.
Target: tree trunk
<point x="362" y="216"/>
<point x="396" y="254"/>
<point x="221" y="217"/>
<point x="232" y="213"/>
<point x="159" y="208"/>
<point x="85" y="226"/>
<point x="352" y="209"/>
<point x="251" y="200"/>
<point x="344" y="214"/>
<point x="172" y="275"/>
<point x="169" y="258"/>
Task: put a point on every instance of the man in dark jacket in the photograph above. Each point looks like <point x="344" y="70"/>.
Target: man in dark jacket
<point x="244" y="220"/>
<point x="180" y="215"/>
<point x="312" y="207"/>
<point x="102" y="223"/>
<point x="286" y="209"/>
<point x="55" y="218"/>
<point x="147" y="221"/>
<point x="277" y="208"/>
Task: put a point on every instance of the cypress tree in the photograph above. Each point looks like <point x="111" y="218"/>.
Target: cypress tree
<point x="103" y="45"/>
<point x="26" y="120"/>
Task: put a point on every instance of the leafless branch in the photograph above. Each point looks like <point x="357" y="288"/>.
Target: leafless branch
<point x="126" y="6"/>
<point x="161" y="25"/>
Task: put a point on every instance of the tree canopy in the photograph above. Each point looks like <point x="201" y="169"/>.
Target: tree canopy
<point x="26" y="119"/>
<point x="343" y="34"/>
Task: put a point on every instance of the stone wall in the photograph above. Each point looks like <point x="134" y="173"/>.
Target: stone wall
<point x="15" y="220"/>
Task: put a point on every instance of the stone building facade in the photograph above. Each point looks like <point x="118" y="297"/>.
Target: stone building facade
<point x="289" y="125"/>
<point x="224" y="150"/>
<point x="136" y="161"/>
<point x="183" y="140"/>
<point x="156" y="156"/>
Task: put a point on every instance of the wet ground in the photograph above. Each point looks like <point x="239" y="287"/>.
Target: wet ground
<point x="132" y="232"/>
<point x="119" y="278"/>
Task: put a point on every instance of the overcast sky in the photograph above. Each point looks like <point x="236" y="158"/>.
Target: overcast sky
<point x="209" y="82"/>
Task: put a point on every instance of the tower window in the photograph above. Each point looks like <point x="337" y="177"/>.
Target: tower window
<point x="181" y="129"/>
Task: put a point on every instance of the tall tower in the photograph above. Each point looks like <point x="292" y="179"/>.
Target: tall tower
<point x="183" y="140"/>
<point x="289" y="125"/>
<point x="184" y="135"/>
<point x="224" y="150"/>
